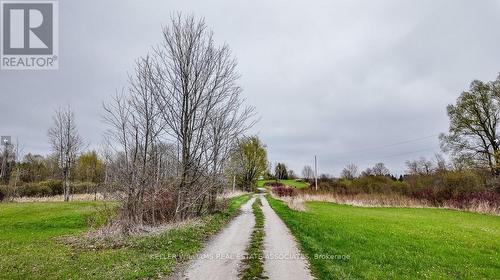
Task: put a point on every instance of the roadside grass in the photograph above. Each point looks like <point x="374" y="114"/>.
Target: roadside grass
<point x="30" y="246"/>
<point x="290" y="183"/>
<point x="254" y="258"/>
<point x="347" y="242"/>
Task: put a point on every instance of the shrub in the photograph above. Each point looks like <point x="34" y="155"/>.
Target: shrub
<point x="34" y="189"/>
<point x="273" y="184"/>
<point x="366" y="184"/>
<point x="5" y="192"/>
<point x="56" y="186"/>
<point x="449" y="187"/>
<point x="283" y="191"/>
<point x="83" y="187"/>
<point x="159" y="206"/>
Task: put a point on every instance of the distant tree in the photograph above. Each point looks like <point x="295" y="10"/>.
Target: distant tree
<point x="51" y="162"/>
<point x="291" y="174"/>
<point x="421" y="166"/>
<point x="426" y="165"/>
<point x="367" y="172"/>
<point x="33" y="168"/>
<point x="474" y="120"/>
<point x="441" y="165"/>
<point x="412" y="167"/>
<point x="66" y="143"/>
<point x="380" y="170"/>
<point x="350" y="171"/>
<point x="249" y="160"/>
<point x="325" y="176"/>
<point x="307" y="172"/>
<point x="281" y="171"/>
<point x="89" y="168"/>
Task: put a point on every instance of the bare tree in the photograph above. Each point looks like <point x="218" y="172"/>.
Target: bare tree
<point x="140" y="162"/>
<point x="379" y="169"/>
<point x="199" y="101"/>
<point x="367" y="172"/>
<point x="350" y="171"/>
<point x="440" y="163"/>
<point x="421" y="166"/>
<point x="307" y="172"/>
<point x="176" y="125"/>
<point x="426" y="166"/>
<point x="66" y="143"/>
<point x="227" y="121"/>
<point x="412" y="167"/>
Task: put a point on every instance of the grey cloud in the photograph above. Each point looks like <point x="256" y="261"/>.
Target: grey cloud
<point x="327" y="77"/>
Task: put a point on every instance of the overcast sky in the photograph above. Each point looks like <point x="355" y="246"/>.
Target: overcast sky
<point x="350" y="81"/>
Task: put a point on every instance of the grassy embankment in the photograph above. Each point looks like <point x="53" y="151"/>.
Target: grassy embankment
<point x="30" y="245"/>
<point x="254" y="258"/>
<point x="346" y="242"/>
<point x="290" y="183"/>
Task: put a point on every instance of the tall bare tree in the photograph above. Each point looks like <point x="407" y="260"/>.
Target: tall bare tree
<point x="175" y="126"/>
<point x="195" y="82"/>
<point x="138" y="163"/>
<point x="379" y="169"/>
<point x="350" y="171"/>
<point x="66" y="143"/>
<point x="422" y="166"/>
<point x="307" y="172"/>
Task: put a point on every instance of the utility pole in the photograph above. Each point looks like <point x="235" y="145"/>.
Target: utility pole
<point x="315" y="173"/>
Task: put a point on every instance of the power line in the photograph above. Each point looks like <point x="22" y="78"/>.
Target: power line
<point x="345" y="154"/>
<point x="409" y="153"/>
<point x="385" y="157"/>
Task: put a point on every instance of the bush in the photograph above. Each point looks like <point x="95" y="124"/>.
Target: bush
<point x="450" y="187"/>
<point x="5" y="192"/>
<point x="273" y="184"/>
<point x="283" y="191"/>
<point x="367" y="184"/>
<point x="56" y="186"/>
<point x="34" y="189"/>
<point x="83" y="187"/>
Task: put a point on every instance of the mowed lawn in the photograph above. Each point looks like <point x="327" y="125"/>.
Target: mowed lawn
<point x="30" y="245"/>
<point x="290" y="183"/>
<point x="346" y="242"/>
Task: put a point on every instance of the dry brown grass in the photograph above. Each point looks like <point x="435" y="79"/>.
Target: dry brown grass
<point x="476" y="206"/>
<point x="377" y="200"/>
<point x="56" y="198"/>
<point x="231" y="194"/>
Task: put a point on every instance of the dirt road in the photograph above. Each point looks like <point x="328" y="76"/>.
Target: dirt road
<point x="221" y="257"/>
<point x="283" y="259"/>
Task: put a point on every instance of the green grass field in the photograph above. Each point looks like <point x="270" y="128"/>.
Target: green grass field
<point x="345" y="242"/>
<point x="291" y="183"/>
<point x="30" y="246"/>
